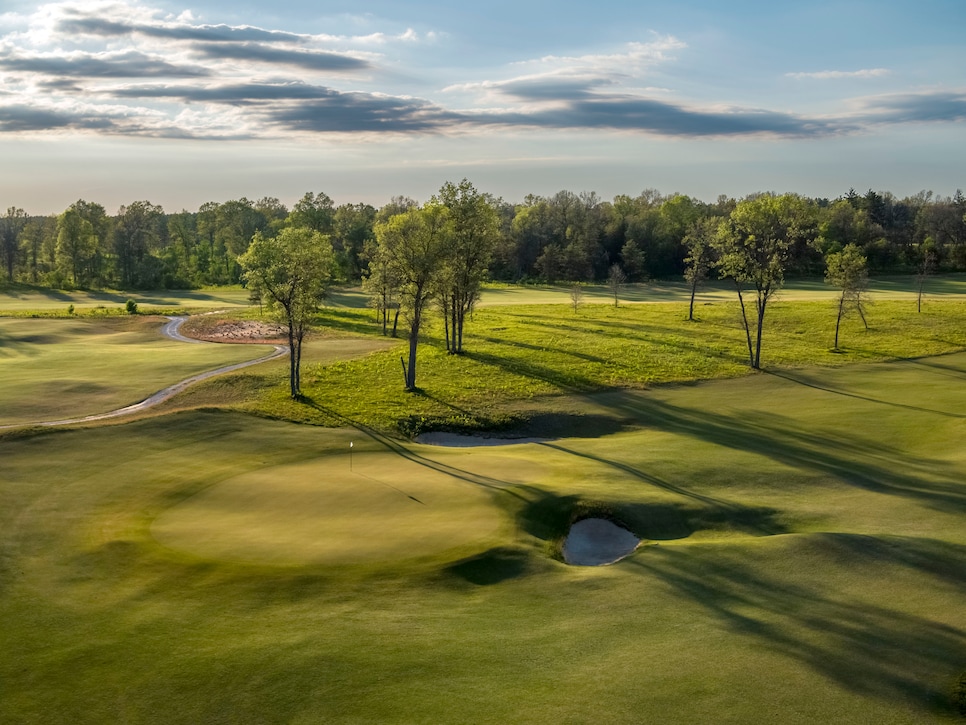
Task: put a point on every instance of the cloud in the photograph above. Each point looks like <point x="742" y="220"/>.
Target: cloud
<point x="310" y="60"/>
<point x="836" y="74"/>
<point x="125" y="68"/>
<point x="927" y="107"/>
<point x="129" y="64"/>
<point x="235" y="94"/>
<point x="101" y="26"/>
<point x="648" y="115"/>
<point x="366" y="113"/>
<point x="21" y="118"/>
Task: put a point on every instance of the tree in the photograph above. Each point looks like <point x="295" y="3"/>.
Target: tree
<point x="11" y="225"/>
<point x="474" y="231"/>
<point x="381" y="285"/>
<point x="314" y="211"/>
<point x="413" y="246"/>
<point x="289" y="273"/>
<point x="925" y="267"/>
<point x="699" y="242"/>
<point x="848" y="270"/>
<point x="76" y="244"/>
<point x="752" y="248"/>
<point x="137" y="232"/>
<point x="633" y="259"/>
<point x="576" y="295"/>
<point x="615" y="281"/>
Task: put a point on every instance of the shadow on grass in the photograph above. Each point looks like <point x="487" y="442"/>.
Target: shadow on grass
<point x="864" y="647"/>
<point x="491" y="567"/>
<point x="800" y="379"/>
<point x="403" y="451"/>
<point x="858" y="462"/>
<point x="665" y="521"/>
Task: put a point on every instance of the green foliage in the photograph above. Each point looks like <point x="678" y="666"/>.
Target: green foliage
<point x="289" y="273"/>
<point x="753" y="247"/>
<point x="131" y="307"/>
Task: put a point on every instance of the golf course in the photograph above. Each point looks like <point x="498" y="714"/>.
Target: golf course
<point x="233" y="555"/>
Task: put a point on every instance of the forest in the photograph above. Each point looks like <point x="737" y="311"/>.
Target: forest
<point x="566" y="237"/>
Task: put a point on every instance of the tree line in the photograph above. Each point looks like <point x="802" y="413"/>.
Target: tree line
<point x="565" y="237"/>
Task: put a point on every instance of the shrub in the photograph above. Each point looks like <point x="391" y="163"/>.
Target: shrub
<point x="131" y="307"/>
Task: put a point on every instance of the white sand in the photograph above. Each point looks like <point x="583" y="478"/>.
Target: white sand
<point x="594" y="542"/>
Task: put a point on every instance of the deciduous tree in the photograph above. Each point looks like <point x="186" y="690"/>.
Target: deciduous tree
<point x="615" y="282"/>
<point x="289" y="273"/>
<point x="848" y="270"/>
<point x="699" y="242"/>
<point x="413" y="245"/>
<point x="752" y="247"/>
<point x="474" y="230"/>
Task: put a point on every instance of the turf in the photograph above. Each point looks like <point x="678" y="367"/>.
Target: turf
<point x="522" y="363"/>
<point x="31" y="299"/>
<point x="804" y="558"/>
<point x="24" y="299"/>
<point x="53" y="369"/>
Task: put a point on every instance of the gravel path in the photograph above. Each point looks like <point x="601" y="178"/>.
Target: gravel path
<point x="171" y="329"/>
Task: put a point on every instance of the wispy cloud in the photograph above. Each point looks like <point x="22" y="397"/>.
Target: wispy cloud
<point x="125" y="64"/>
<point x="823" y="75"/>
<point x="925" y="107"/>
<point x="128" y="69"/>
<point x="259" y="53"/>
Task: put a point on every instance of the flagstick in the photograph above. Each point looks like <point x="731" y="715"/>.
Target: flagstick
<point x="350" y="455"/>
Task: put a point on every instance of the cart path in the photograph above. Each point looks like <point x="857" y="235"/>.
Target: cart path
<point x="172" y="330"/>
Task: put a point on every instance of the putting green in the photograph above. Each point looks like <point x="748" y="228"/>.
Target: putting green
<point x="318" y="512"/>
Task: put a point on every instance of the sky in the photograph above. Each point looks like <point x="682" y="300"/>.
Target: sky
<point x="179" y="102"/>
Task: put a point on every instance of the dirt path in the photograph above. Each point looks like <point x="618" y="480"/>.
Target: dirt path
<point x="170" y="329"/>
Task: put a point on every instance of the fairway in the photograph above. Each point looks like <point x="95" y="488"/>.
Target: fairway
<point x="802" y="557"/>
<point x="28" y="298"/>
<point x="52" y="369"/>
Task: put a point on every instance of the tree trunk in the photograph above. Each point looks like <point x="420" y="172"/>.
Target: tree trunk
<point x="446" y="325"/>
<point x="760" y="306"/>
<point x="744" y="319"/>
<point x="838" y="320"/>
<point x="395" y="322"/>
<point x="411" y="368"/>
<point x="292" y="367"/>
<point x="694" y="289"/>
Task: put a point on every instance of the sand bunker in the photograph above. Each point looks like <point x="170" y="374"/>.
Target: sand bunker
<point x="594" y="542"/>
<point x="454" y="440"/>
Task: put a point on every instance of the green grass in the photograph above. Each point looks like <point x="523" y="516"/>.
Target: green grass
<point x="519" y="361"/>
<point x="24" y="299"/>
<point x="805" y="543"/>
<point x="53" y="369"/>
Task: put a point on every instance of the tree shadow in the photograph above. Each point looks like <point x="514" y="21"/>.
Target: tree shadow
<point x="801" y="379"/>
<point x="869" y="649"/>
<point x="858" y="462"/>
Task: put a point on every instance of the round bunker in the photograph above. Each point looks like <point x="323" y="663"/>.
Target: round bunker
<point x="595" y="542"/>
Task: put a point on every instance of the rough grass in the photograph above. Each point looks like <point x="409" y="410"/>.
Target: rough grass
<point x="804" y="558"/>
<point x="520" y="360"/>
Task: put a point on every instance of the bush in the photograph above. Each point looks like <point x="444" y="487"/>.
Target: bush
<point x="131" y="307"/>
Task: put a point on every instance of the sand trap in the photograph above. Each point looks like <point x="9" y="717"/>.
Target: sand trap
<point x="454" y="440"/>
<point x="594" y="542"/>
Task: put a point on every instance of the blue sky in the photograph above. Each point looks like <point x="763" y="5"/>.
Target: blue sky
<point x="184" y="102"/>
